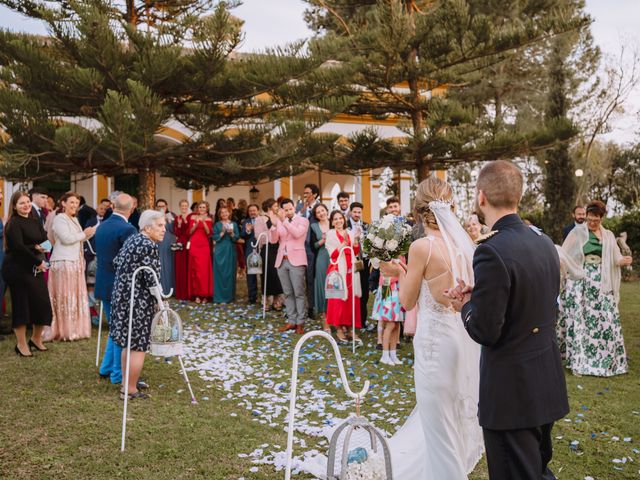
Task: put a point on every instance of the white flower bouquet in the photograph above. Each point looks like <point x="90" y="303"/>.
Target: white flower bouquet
<point x="387" y="239"/>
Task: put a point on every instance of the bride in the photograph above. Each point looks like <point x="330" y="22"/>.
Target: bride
<point x="441" y="439"/>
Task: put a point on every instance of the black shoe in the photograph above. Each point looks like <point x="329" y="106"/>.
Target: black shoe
<point x="134" y="396"/>
<point x="399" y="347"/>
<point x="142" y="385"/>
<point x="33" y="345"/>
<point x="379" y="346"/>
<point x="18" y="352"/>
<point x="104" y="377"/>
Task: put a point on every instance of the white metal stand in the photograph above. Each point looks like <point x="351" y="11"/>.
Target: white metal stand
<point x="353" y="292"/>
<point x="294" y="385"/>
<point x="99" y="334"/>
<point x="255" y="244"/>
<point x="160" y="298"/>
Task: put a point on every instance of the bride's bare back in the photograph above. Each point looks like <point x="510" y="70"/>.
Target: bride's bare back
<point x="428" y="260"/>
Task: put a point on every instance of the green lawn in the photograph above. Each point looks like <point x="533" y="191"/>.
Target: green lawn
<point x="60" y="421"/>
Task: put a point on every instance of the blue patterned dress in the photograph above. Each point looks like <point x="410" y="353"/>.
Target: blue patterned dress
<point x="137" y="251"/>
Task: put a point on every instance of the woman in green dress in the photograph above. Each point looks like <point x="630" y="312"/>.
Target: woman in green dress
<point x="225" y="236"/>
<point x="589" y="331"/>
<point x="317" y="237"/>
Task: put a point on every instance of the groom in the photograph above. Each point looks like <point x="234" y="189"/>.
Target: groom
<point x="511" y="312"/>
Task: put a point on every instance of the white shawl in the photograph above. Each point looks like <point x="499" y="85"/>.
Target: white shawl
<point x="332" y="244"/>
<point x="611" y="256"/>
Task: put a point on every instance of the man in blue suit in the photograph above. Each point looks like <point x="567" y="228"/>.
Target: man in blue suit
<point x="109" y="238"/>
<point x="248" y="235"/>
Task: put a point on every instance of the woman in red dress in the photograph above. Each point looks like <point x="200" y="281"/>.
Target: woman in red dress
<point x="199" y="251"/>
<point x="339" y="311"/>
<point x="181" y="231"/>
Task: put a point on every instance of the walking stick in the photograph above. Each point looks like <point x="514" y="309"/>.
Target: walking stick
<point x="99" y="334"/>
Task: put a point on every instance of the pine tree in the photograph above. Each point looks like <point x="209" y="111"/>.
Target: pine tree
<point x="94" y="95"/>
<point x="447" y="71"/>
<point x="572" y="60"/>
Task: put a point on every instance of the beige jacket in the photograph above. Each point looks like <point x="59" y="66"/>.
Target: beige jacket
<point x="68" y="236"/>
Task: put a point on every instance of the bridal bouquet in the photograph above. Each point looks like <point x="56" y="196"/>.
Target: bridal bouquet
<point x="387" y="239"/>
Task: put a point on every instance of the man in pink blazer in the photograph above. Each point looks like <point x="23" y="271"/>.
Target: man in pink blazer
<point x="290" y="230"/>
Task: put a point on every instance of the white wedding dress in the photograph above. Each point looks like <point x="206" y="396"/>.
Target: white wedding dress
<point x="441" y="439"/>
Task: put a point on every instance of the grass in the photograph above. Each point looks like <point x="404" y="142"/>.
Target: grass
<point x="60" y="421"/>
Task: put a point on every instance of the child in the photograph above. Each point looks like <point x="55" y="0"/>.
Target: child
<point x="388" y="312"/>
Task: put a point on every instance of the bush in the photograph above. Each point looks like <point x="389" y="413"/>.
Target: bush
<point x="630" y="223"/>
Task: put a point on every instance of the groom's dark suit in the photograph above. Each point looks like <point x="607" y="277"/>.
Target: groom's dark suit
<point x="512" y="313"/>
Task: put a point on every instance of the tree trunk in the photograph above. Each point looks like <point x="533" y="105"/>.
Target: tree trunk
<point x="147" y="188"/>
<point x="417" y="117"/>
<point x="559" y="183"/>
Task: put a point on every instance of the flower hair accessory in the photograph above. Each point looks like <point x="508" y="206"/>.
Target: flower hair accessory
<point x="440" y="204"/>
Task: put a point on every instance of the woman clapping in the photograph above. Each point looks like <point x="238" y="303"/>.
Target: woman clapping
<point x="339" y="310"/>
<point x="67" y="284"/>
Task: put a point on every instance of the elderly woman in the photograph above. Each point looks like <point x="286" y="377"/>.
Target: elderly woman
<point x="67" y="283"/>
<point x="589" y="330"/>
<point x="139" y="250"/>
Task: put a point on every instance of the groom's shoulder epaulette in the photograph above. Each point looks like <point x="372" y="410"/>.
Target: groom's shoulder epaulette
<point x="486" y="236"/>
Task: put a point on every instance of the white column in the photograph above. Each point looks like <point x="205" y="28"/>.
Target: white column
<point x="109" y="186"/>
<point x="94" y="190"/>
<point x="405" y="192"/>
<point x="276" y="188"/>
<point x="291" y="194"/>
<point x="190" y="197"/>
<point x="357" y="195"/>
<point x="375" y="200"/>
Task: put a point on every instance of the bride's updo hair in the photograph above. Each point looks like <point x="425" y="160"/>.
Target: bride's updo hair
<point x="429" y="190"/>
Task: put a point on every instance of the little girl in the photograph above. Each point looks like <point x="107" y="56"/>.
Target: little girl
<point x="388" y="312"/>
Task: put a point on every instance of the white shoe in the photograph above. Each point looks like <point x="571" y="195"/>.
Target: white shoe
<point x="387" y="361"/>
<point x="396" y="361"/>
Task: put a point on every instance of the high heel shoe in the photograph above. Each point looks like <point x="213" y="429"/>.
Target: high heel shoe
<point x="33" y="345"/>
<point x="18" y="352"/>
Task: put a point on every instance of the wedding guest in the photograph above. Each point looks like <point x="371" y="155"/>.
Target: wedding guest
<point x="134" y="218"/>
<point x="39" y="200"/>
<point x="199" y="251"/>
<point x="291" y="231"/>
<point x="386" y="308"/>
<point x="311" y="198"/>
<point x="589" y="330"/>
<point x="241" y="212"/>
<point x="22" y="271"/>
<point x="221" y="203"/>
<point x="343" y="203"/>
<point x="85" y="213"/>
<point x="237" y="215"/>
<point x="247" y="233"/>
<point x="318" y="233"/>
<point x="181" y="255"/>
<point x="225" y="234"/>
<point x="165" y="247"/>
<point x="51" y="203"/>
<point x="339" y="310"/>
<point x="579" y="215"/>
<point x="139" y="250"/>
<point x="473" y="227"/>
<point x="359" y="228"/>
<point x="263" y="224"/>
<point x="67" y="283"/>
<point x="109" y="239"/>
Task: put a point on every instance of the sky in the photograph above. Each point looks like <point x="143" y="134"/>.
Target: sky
<point x="270" y="23"/>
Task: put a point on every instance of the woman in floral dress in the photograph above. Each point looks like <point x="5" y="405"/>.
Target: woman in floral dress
<point x="589" y="330"/>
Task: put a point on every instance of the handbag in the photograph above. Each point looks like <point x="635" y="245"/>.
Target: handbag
<point x="358" y="264"/>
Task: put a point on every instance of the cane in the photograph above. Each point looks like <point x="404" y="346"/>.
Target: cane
<point x="99" y="334"/>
